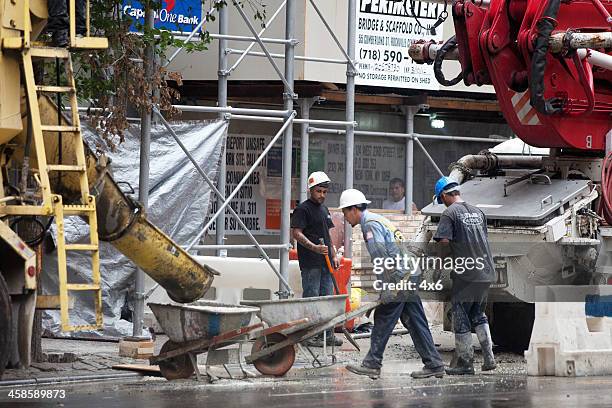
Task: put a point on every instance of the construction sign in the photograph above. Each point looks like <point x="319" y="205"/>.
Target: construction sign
<point x="385" y="30"/>
<point x="175" y="15"/>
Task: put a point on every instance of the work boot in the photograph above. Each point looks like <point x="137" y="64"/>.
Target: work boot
<point x="60" y="38"/>
<point x="465" y="355"/>
<point x="428" y="372"/>
<point x="316" y="341"/>
<point x="486" y="345"/>
<point x="373" y="373"/>
<point x="333" y="340"/>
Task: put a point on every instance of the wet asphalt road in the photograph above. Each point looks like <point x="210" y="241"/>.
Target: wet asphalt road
<point x="335" y="387"/>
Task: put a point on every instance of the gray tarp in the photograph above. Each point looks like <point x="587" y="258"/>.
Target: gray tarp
<point x="178" y="202"/>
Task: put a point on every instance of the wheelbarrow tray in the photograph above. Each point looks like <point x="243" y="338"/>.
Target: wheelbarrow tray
<point x="317" y="309"/>
<point x="183" y="323"/>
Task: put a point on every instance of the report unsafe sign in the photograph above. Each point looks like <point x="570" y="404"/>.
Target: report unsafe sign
<point x="174" y="15"/>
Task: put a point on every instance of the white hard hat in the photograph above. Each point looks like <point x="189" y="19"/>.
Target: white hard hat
<point x="352" y="197"/>
<point x="316" y="178"/>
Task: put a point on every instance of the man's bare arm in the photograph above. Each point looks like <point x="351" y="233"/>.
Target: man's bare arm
<point x="299" y="236"/>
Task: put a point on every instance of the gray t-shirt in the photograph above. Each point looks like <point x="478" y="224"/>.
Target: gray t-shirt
<point x="465" y="226"/>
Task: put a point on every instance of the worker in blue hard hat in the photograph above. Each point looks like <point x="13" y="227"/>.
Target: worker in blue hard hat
<point x="463" y="228"/>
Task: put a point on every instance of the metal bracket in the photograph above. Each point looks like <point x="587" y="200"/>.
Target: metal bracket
<point x="290" y="95"/>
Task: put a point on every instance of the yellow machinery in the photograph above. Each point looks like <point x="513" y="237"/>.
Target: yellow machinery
<point x="46" y="172"/>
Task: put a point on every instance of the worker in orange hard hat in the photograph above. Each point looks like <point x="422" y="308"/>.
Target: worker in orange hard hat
<point x="310" y="223"/>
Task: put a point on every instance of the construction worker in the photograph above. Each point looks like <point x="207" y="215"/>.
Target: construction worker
<point x="383" y="240"/>
<point x="58" y="23"/>
<point x="463" y="228"/>
<point x="310" y="222"/>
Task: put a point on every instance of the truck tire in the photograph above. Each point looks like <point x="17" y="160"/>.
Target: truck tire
<point x="511" y="325"/>
<point x="6" y="325"/>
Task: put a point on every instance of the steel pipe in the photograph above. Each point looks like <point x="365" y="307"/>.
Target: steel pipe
<point x="580" y="40"/>
<point x="406" y="135"/>
<point x="297" y="121"/>
<point x="250" y="39"/>
<point x="488" y="162"/>
<point x="222" y="75"/>
<point x="596" y="58"/>
<point x="229" y="109"/>
<point x="282" y="56"/>
<point x="246" y="246"/>
<point x="431" y="160"/>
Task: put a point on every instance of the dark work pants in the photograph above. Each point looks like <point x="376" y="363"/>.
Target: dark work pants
<point x="468" y="300"/>
<point x="59" y="19"/>
<point x="411" y="312"/>
<point x="317" y="281"/>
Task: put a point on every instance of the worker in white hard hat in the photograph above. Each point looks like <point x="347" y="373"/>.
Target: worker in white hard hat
<point x="310" y="223"/>
<point x="384" y="241"/>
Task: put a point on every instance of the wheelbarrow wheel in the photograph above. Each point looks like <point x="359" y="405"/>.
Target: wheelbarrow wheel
<point x="175" y="368"/>
<point x="278" y="362"/>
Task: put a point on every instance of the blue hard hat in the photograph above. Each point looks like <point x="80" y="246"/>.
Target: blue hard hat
<point x="444" y="185"/>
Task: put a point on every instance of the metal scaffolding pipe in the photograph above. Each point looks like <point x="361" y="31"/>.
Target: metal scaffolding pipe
<point x="348" y="60"/>
<point x="263" y="30"/>
<point x="409" y="145"/>
<point x="296" y="121"/>
<point x="282" y="56"/>
<point x="263" y="46"/>
<point x="407" y="136"/>
<point x="432" y="161"/>
<point x="143" y="179"/>
<point x="191" y="35"/>
<point x="229" y="109"/>
<point x="290" y="15"/>
<point x="305" y="105"/>
<point x="350" y="114"/>
<point x="219" y="194"/>
<point x="238" y="246"/>
<point x="248" y="39"/>
<point x="222" y="75"/>
<point x="244" y="179"/>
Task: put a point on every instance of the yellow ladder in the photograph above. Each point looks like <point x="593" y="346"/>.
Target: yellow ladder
<point x="86" y="209"/>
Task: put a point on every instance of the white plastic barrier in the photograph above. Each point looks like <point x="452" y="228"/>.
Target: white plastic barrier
<point x="565" y="342"/>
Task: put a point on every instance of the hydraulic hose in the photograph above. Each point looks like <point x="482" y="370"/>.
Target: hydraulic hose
<point x="545" y="27"/>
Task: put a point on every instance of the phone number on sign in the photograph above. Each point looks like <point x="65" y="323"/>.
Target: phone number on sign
<point x="37" y="394"/>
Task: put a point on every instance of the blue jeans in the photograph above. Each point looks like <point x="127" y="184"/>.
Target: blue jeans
<point x="413" y="317"/>
<point x="317" y="282"/>
<point x="468" y="300"/>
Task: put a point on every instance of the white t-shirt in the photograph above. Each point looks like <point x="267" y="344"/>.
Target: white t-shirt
<point x="394" y="205"/>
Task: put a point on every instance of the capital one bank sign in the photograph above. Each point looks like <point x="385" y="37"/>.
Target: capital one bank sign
<point x="174" y="15"/>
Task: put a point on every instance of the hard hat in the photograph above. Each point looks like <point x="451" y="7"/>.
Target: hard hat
<point x="352" y="197"/>
<point x="316" y="178"/>
<point x="445" y="185"/>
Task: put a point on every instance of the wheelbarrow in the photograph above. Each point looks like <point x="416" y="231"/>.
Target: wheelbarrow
<point x="193" y="330"/>
<point x="274" y="354"/>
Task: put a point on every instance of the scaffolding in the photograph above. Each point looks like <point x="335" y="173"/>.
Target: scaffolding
<point x="287" y="117"/>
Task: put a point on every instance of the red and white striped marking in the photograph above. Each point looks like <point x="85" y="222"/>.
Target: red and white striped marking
<point x="526" y="114"/>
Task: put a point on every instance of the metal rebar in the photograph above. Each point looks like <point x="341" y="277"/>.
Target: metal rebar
<point x="432" y="161"/>
<point x="288" y="122"/>
<point x="263" y="30"/>
<point x="349" y="60"/>
<point x="219" y="194"/>
<point x="263" y="46"/>
<point x="282" y="56"/>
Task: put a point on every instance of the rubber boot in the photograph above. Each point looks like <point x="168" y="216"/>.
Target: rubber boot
<point x="465" y="355"/>
<point x="486" y="344"/>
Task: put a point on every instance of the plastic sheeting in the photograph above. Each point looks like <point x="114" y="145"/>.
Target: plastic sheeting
<point x="178" y="203"/>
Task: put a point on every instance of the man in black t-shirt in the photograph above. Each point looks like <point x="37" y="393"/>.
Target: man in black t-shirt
<point x="310" y="222"/>
<point x="464" y="228"/>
